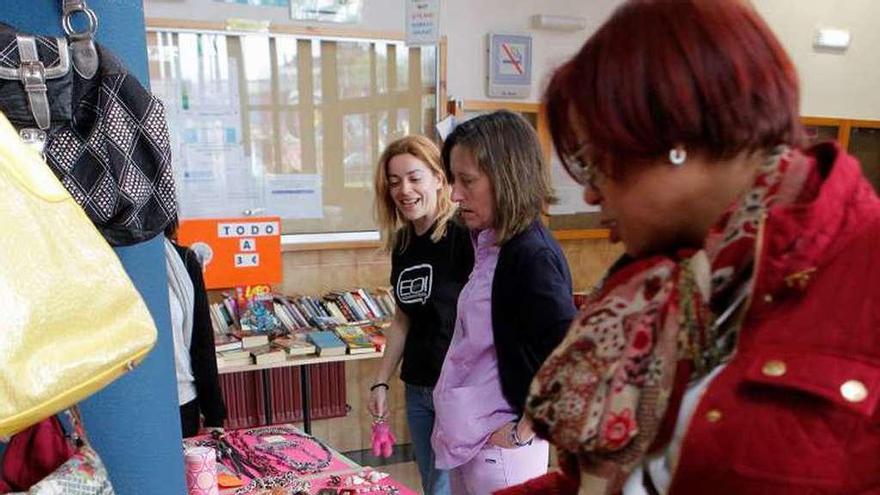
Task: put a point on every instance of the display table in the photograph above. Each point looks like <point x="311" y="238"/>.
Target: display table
<point x="306" y="389"/>
<point x="287" y="460"/>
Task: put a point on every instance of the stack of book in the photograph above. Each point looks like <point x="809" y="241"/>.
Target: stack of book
<point x="335" y="308"/>
<point x="336" y="323"/>
<point x="296" y="345"/>
<point x="355" y="339"/>
<point x="327" y="343"/>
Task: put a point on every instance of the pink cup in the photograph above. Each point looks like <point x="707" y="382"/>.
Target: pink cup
<point x="201" y="471"/>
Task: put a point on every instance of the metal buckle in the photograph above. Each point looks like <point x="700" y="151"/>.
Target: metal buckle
<point x="33" y="75"/>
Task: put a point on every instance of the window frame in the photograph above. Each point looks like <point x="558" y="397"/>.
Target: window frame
<point x="329" y="240"/>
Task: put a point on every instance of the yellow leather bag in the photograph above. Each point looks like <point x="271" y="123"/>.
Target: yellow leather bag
<point x="70" y="319"/>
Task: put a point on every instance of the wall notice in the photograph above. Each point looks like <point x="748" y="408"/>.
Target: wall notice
<point x="235" y="251"/>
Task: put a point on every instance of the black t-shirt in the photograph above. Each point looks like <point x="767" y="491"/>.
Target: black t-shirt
<point x="427" y="278"/>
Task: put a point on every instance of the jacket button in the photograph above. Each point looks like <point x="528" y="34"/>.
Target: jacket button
<point x="768" y="298"/>
<point x="774" y="367"/>
<point x="853" y="391"/>
<point x="713" y="415"/>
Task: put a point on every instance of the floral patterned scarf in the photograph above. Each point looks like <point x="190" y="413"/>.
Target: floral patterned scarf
<point x="655" y="325"/>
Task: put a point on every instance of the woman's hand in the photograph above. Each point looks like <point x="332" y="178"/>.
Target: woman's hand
<point x="378" y="405"/>
<point x="503" y="437"/>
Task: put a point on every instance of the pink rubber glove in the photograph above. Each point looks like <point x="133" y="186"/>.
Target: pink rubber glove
<point x="383" y="440"/>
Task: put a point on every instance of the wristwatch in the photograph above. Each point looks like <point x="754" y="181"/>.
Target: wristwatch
<point x="514" y="438"/>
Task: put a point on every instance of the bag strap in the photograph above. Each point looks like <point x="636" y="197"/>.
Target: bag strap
<point x="78" y="435"/>
<point x="33" y="77"/>
<point x="82" y="43"/>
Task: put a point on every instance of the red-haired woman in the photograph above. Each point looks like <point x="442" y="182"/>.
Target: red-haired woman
<point x="737" y="352"/>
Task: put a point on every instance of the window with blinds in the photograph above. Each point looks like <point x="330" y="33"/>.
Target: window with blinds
<point x="273" y="124"/>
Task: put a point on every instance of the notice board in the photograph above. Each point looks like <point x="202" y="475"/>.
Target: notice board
<point x="235" y="251"/>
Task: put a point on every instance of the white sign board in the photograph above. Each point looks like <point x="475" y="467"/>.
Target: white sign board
<point x="422" y="22"/>
<point x="510" y="65"/>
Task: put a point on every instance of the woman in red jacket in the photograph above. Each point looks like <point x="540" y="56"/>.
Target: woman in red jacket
<point x="737" y="351"/>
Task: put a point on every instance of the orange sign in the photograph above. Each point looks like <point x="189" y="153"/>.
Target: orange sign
<point x="235" y="251"/>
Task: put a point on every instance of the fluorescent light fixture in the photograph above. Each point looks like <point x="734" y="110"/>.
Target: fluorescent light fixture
<point x="558" y="22"/>
<point x="832" y="39"/>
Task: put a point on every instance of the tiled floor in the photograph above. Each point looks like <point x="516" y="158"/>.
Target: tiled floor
<point x="407" y="473"/>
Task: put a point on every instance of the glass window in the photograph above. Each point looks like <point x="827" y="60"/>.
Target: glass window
<point x="257" y="69"/>
<point x="353" y="67"/>
<point x="864" y="144"/>
<point x="821" y="133"/>
<point x="402" y="64"/>
<point x="384" y="134"/>
<point x="317" y="89"/>
<point x="261" y="142"/>
<point x="381" y="67"/>
<point x="429" y="67"/>
<point x="291" y="144"/>
<point x="402" y="123"/>
<point x="249" y="111"/>
<point x="358" y="150"/>
<point x="319" y="142"/>
<point x="288" y="70"/>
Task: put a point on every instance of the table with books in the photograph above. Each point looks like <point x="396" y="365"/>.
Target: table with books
<point x="283" y="459"/>
<point x="275" y="331"/>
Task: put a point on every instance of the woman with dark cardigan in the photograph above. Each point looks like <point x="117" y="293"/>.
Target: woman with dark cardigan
<point x="514" y="309"/>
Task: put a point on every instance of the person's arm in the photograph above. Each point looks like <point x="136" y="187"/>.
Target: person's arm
<point x="545" y="306"/>
<point x="394" y="344"/>
<point x="202" y="352"/>
<point x="545" y="303"/>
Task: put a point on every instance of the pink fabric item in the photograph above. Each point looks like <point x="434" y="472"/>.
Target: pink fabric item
<point x="495" y="468"/>
<point x="383" y="440"/>
<point x="33" y="454"/>
<point x="201" y="470"/>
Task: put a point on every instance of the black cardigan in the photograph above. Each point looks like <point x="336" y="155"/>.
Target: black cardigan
<point x="532" y="308"/>
<point x="203" y="359"/>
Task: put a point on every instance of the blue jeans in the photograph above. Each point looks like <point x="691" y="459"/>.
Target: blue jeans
<point x="420" y="416"/>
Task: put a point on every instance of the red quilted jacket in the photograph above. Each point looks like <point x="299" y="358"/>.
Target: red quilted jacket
<point x="796" y="409"/>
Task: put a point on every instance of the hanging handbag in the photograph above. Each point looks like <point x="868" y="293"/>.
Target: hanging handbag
<point x="102" y="133"/>
<point x="80" y="469"/>
<point x="72" y="320"/>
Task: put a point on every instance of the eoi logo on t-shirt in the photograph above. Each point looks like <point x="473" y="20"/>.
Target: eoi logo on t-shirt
<point x="414" y="284"/>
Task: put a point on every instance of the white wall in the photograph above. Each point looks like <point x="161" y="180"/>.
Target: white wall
<point x="466" y="23"/>
<point x="833" y="85"/>
<point x="838" y="85"/>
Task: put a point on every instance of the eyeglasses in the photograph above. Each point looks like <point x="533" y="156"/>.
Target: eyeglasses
<point x="581" y="167"/>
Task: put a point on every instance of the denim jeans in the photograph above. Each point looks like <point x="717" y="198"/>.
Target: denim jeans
<point x="420" y="416"/>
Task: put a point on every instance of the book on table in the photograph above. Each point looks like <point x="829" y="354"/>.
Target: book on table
<point x="234" y="358"/>
<point x="327" y="342"/>
<point x="226" y="342"/>
<point x="268" y="354"/>
<point x="376" y="335"/>
<point x="295" y="345"/>
<point x="251" y="339"/>
<point x="355" y="339"/>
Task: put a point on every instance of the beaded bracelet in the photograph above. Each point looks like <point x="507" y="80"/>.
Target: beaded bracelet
<point x="380" y="384"/>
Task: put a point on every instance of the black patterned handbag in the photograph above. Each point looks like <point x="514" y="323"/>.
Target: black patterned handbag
<point x="102" y="133"/>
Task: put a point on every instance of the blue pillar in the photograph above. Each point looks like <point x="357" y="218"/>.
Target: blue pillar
<point x="134" y="423"/>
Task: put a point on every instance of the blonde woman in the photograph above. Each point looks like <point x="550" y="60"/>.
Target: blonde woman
<point x="431" y="257"/>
